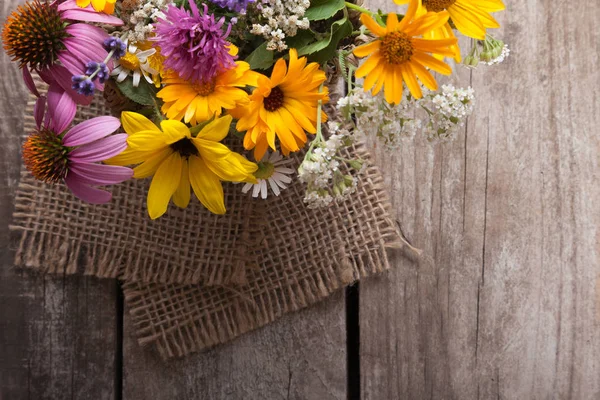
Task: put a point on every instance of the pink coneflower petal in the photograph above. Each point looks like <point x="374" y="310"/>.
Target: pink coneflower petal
<point x="85" y="192"/>
<point x="89" y="31"/>
<point x="100" y="174"/>
<point x="100" y="150"/>
<point x="83" y="14"/>
<point x="60" y="75"/>
<point x="39" y="110"/>
<point x="91" y="130"/>
<point x="61" y="107"/>
<point x="29" y="81"/>
<point x="85" y="49"/>
<point x="72" y="63"/>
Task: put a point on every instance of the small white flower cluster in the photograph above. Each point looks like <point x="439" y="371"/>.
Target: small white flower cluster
<point x="324" y="170"/>
<point x="278" y="19"/>
<point x="448" y="111"/>
<point x="438" y="114"/>
<point x="503" y="55"/>
<point x="139" y="16"/>
<point x="393" y="123"/>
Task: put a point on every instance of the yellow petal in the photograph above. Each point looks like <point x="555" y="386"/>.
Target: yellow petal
<point x="366" y="49"/>
<point x="98" y="5"/>
<point x="207" y="186"/>
<point x="174" y="131"/>
<point x="134" y="122"/>
<point x="151" y="164"/>
<point x="181" y="197"/>
<point x="217" y="130"/>
<point x="371" y="25"/>
<point x="164" y="184"/>
<point x="83" y="3"/>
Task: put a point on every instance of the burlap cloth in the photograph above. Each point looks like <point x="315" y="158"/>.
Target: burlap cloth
<point x="193" y="279"/>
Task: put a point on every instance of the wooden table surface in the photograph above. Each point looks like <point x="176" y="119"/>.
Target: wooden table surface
<point x="505" y="305"/>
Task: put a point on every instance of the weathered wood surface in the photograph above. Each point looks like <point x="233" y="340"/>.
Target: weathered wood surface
<point x="506" y="305"/>
<point x="57" y="335"/>
<point x="510" y="306"/>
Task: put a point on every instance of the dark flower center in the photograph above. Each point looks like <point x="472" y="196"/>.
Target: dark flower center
<point x="185" y="148"/>
<point x="204" y="88"/>
<point x="33" y="35"/>
<point x="275" y="100"/>
<point x="46" y="157"/>
<point x="437" y="5"/>
<point x="396" y="47"/>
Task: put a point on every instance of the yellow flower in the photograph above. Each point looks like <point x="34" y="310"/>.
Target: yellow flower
<point x="197" y="102"/>
<point x="471" y="17"/>
<point x="398" y="55"/>
<point x="177" y="159"/>
<point x="105" y="6"/>
<point x="283" y="106"/>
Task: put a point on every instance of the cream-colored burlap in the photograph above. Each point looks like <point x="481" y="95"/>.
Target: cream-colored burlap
<point x="193" y="279"/>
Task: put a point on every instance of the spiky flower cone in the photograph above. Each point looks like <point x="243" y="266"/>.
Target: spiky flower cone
<point x="33" y="34"/>
<point x="46" y="156"/>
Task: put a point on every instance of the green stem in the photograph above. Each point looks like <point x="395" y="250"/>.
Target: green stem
<point x="358" y="8"/>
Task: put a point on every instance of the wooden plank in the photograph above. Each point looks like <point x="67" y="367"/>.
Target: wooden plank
<point x="57" y="335"/>
<point x="300" y="356"/>
<point x="507" y="306"/>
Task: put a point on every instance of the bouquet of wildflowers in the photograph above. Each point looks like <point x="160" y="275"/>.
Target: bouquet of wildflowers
<point x="230" y="90"/>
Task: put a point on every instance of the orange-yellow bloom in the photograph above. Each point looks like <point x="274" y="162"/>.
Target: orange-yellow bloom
<point x="471" y="17"/>
<point x="283" y="106"/>
<point x="399" y="54"/>
<point x="105" y="6"/>
<point x="197" y="102"/>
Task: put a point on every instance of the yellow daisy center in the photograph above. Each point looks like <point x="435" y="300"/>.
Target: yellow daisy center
<point x="396" y="47"/>
<point x="204" y="88"/>
<point x="275" y="100"/>
<point x="130" y="61"/>
<point x="437" y="5"/>
<point x="265" y="170"/>
<point x="185" y="148"/>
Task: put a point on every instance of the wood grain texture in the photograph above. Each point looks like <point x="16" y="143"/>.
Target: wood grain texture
<point x="300" y="356"/>
<point x="506" y="302"/>
<point x="57" y="335"/>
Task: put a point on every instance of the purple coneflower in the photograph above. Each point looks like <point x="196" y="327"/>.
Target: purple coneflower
<point x="194" y="44"/>
<point x="74" y="157"/>
<point x="45" y="37"/>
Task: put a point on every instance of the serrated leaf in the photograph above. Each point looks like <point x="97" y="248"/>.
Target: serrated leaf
<point x="325" y="48"/>
<point x="144" y="94"/>
<point x="261" y="58"/>
<point x="323" y="9"/>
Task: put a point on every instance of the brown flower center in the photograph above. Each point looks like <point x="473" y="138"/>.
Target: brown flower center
<point x="275" y="100"/>
<point x="46" y="157"/>
<point x="396" y="47"/>
<point x="33" y="35"/>
<point x="437" y="5"/>
<point x="185" y="148"/>
<point x="204" y="88"/>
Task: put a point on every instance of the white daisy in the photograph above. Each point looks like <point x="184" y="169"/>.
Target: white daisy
<point x="135" y="63"/>
<point x="272" y="169"/>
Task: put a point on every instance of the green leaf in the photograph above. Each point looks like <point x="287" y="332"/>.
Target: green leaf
<point x="261" y="58"/>
<point x="323" y="9"/>
<point x="325" y="49"/>
<point x="144" y="94"/>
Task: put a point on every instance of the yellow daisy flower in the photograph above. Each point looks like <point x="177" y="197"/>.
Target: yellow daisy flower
<point x="177" y="159"/>
<point x="283" y="106"/>
<point x="471" y="17"/>
<point x="398" y="54"/>
<point x="105" y="6"/>
<point x="197" y="102"/>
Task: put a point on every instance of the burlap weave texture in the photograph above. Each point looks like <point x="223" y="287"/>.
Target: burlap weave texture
<point x="193" y="279"/>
